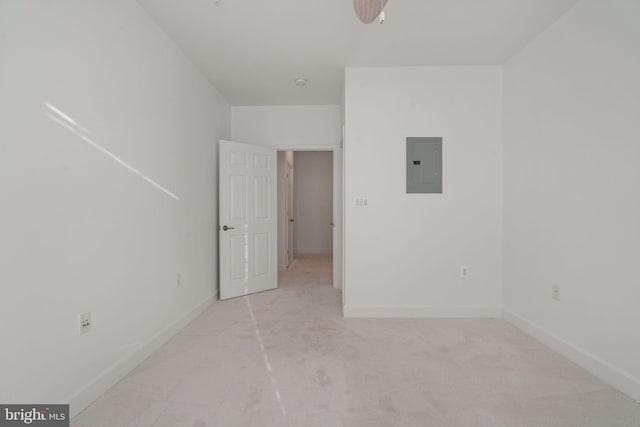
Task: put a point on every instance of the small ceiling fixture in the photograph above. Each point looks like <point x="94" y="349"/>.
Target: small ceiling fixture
<point x="368" y="10"/>
<point x="300" y="82"/>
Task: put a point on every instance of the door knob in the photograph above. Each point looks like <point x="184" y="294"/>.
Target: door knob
<point x="225" y="228"/>
<point x="291" y="220"/>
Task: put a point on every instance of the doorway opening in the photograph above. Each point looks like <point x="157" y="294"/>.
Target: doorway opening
<point x="249" y="221"/>
<point x="306" y="226"/>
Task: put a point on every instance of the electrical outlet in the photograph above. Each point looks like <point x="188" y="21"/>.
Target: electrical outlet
<point x="85" y="322"/>
<point x="464" y="271"/>
<point x="178" y="280"/>
<point x="555" y="291"/>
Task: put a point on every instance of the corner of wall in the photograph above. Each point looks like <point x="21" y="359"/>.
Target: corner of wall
<point x="608" y="373"/>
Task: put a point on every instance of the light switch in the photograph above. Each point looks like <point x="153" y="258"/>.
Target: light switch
<point x="361" y="202"/>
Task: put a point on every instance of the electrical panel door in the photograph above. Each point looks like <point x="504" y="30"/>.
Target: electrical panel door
<point x="424" y="165"/>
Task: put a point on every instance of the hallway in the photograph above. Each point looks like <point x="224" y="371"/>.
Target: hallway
<point x="288" y="358"/>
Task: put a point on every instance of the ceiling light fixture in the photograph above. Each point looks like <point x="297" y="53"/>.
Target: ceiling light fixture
<point x="300" y="82"/>
<point x="368" y="10"/>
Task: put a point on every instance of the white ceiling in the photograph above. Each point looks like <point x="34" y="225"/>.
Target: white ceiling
<point x="252" y="50"/>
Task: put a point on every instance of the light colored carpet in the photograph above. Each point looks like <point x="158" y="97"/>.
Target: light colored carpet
<point x="288" y="358"/>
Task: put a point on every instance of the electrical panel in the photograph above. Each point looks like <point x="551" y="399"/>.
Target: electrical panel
<point x="424" y="165"/>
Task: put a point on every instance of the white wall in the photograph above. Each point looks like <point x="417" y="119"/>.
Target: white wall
<point x="99" y="215"/>
<point x="404" y="252"/>
<point x="288" y="126"/>
<point x="572" y="186"/>
<point x="313" y="202"/>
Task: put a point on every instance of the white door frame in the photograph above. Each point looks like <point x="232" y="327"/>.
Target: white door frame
<point x="338" y="205"/>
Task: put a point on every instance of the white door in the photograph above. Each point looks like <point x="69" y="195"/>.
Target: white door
<point x="337" y="218"/>
<point x="290" y="218"/>
<point x="247" y="219"/>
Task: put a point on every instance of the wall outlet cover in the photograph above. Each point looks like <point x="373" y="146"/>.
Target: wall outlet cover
<point x="85" y="322"/>
<point x="464" y="271"/>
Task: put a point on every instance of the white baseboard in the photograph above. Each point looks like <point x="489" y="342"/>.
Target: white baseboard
<point x="313" y="251"/>
<point x="422" y="311"/>
<point x="88" y="393"/>
<point x="598" y="367"/>
<point x="282" y="268"/>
